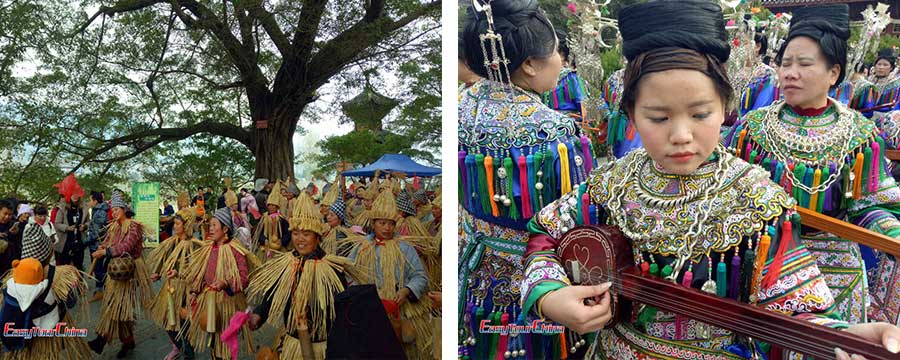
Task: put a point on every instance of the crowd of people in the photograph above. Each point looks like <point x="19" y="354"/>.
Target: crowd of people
<point x="227" y="265"/>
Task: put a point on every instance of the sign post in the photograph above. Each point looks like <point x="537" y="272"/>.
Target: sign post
<point x="145" y="201"/>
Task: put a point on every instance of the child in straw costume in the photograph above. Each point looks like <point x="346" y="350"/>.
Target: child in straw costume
<point x="273" y="231"/>
<point x="124" y="239"/>
<point x="37" y="290"/>
<point x="393" y="265"/>
<point x="219" y="273"/>
<point x="171" y="260"/>
<point x="296" y="289"/>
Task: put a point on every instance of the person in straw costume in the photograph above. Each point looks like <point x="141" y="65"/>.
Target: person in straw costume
<point x="368" y="198"/>
<point x="434" y="225"/>
<point x="170" y="261"/>
<point x="296" y="290"/>
<point x="218" y="275"/>
<point x="34" y="279"/>
<point x="395" y="268"/>
<point x="408" y="224"/>
<point x="124" y="240"/>
<point x="273" y="231"/>
<point x="337" y="229"/>
<point x="241" y="222"/>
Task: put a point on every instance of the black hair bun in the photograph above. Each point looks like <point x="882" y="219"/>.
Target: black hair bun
<point x="690" y="24"/>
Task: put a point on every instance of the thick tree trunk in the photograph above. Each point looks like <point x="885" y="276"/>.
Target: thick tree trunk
<point x="275" y="150"/>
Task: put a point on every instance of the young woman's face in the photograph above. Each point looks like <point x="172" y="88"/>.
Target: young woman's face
<point x="805" y="75"/>
<point x="882" y="68"/>
<point x="305" y="241"/>
<point x="178" y="227"/>
<point x="384" y="228"/>
<point x="678" y="114"/>
<point x="332" y="219"/>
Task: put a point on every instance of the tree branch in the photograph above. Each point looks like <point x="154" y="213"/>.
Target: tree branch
<point x="139" y="140"/>
<point x="269" y="24"/>
<point x="120" y="7"/>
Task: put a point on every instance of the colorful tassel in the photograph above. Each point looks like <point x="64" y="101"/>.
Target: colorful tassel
<point x="513" y="211"/>
<point x="549" y="176"/>
<point x="489" y="170"/>
<point x="565" y="182"/>
<point x="875" y="177"/>
<point x="721" y="279"/>
<point x="740" y="142"/>
<point x="479" y="337"/>
<point x="762" y="252"/>
<point x="586" y="155"/>
<point x="504" y="338"/>
<point x="799" y="173"/>
<point x="579" y="213"/>
<point x="470" y="165"/>
<point x="585" y="208"/>
<point x="822" y="195"/>
<point x="807" y="181"/>
<point x="857" y="172"/>
<point x="814" y="198"/>
<point x="463" y="188"/>
<point x="779" y="170"/>
<point x="482" y="185"/>
<point x="735" y="278"/>
<point x="746" y="272"/>
<point x="563" y="348"/>
<point x="688" y="278"/>
<point x="523" y="187"/>
<point x="538" y="160"/>
<point x="867" y="168"/>
<point x="532" y="195"/>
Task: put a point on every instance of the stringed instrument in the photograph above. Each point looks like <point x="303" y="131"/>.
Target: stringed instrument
<point x="597" y="254"/>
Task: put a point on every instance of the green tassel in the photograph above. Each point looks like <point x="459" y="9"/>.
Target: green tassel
<point x="766" y="164"/>
<point x="747" y="263"/>
<point x="654" y="269"/>
<point x="820" y="204"/>
<point x="538" y="161"/>
<point x="537" y="346"/>
<point x="550" y="176"/>
<point x="867" y="167"/>
<point x="845" y="186"/>
<point x="646" y="316"/>
<point x="495" y="338"/>
<point x="667" y="270"/>
<point x="799" y="173"/>
<point x="721" y="279"/>
<point x="508" y="165"/>
<point x="479" y="337"/>
<point x="881" y="169"/>
<point x="554" y="341"/>
<point x="482" y="184"/>
<point x="579" y="215"/>
<point x="752" y="157"/>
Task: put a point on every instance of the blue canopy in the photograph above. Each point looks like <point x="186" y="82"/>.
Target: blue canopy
<point x="395" y="163"/>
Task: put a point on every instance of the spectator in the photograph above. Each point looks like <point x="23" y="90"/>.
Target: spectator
<point x="70" y="228"/>
<point x="10" y="236"/>
<point x="95" y="235"/>
<point x="168" y="210"/>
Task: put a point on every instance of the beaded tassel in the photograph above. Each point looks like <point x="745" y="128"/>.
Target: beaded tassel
<point x="585" y="208"/>
<point x="489" y="170"/>
<point x="734" y="285"/>
<point x="539" y="189"/>
<point x="550" y="187"/>
<point x="767" y="163"/>
<point x="814" y="198"/>
<point x="748" y="145"/>
<point x="752" y="156"/>
<point x="532" y="195"/>
<point x="740" y="144"/>
<point x="857" y="173"/>
<point x="875" y="176"/>
<point x="746" y="272"/>
<point x="504" y="338"/>
<point x="463" y="179"/>
<point x="508" y="165"/>
<point x="721" y="282"/>
<point x="586" y="155"/>
<point x="867" y="168"/>
<point x="807" y="181"/>
<point x="470" y="196"/>
<point x="579" y="214"/>
<point x="762" y="252"/>
<point x="565" y="182"/>
<point x="523" y="187"/>
<point x="845" y="177"/>
<point x="563" y="349"/>
<point x="823" y="196"/>
<point x="779" y="170"/>
<point x="799" y="173"/>
<point x="482" y="185"/>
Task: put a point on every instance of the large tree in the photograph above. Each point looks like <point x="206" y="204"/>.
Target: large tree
<point x="135" y="74"/>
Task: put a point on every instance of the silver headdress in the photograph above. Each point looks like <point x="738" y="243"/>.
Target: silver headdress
<point x="495" y="61"/>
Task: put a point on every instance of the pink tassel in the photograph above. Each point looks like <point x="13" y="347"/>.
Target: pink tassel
<point x="585" y="212"/>
<point x="875" y="171"/>
<point x="586" y="154"/>
<point x="523" y="186"/>
<point x="504" y="339"/>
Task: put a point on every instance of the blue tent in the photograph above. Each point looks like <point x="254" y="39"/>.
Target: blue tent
<point x="395" y="163"/>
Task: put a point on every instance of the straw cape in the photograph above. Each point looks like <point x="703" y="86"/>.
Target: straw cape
<point x="172" y="254"/>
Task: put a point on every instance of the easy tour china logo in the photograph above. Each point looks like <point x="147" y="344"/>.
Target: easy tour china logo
<point x="60" y="330"/>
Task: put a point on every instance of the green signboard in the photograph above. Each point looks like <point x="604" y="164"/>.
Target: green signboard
<point x="145" y="201"/>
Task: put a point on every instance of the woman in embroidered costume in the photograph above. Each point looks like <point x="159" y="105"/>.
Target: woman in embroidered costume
<point x="49" y="290"/>
<point x="570" y="88"/>
<point x="170" y="261"/>
<point x="124" y="238"/>
<point x="516" y="156"/>
<point x="763" y="87"/>
<point x="217" y="276"/>
<point x="696" y="214"/>
<point x="392" y="264"/>
<point x="273" y="233"/>
<point x="830" y="159"/>
<point x="295" y="290"/>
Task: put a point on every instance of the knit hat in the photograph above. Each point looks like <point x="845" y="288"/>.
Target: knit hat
<point x="224" y="217"/>
<point x="293" y="189"/>
<point x="384" y="207"/>
<point x="275" y="197"/>
<point x="117" y="200"/>
<point x="306" y="216"/>
<point x="404" y="203"/>
<point x="420" y="196"/>
<point x="28" y="271"/>
<point x="35" y="243"/>
<point x="339" y="208"/>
